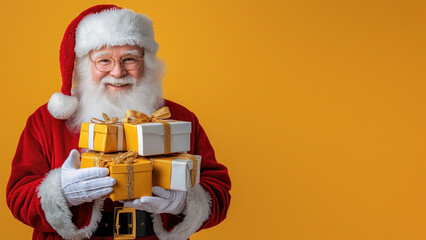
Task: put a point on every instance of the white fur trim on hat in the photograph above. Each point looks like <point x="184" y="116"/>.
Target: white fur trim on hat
<point x="62" y="106"/>
<point x="197" y="211"/>
<point x="115" y="27"/>
<point x="57" y="212"/>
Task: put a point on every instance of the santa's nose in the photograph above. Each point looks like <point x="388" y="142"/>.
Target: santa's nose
<point x="118" y="71"/>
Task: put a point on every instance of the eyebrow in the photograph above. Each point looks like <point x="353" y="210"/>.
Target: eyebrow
<point x="98" y="54"/>
<point x="132" y="52"/>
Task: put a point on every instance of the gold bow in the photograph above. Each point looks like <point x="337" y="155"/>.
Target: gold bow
<point x="102" y="160"/>
<point x="136" y="117"/>
<point x="107" y="120"/>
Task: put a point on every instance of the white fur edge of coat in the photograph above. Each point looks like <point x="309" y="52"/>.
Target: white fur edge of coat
<point x="57" y="212"/>
<point x="197" y="211"/>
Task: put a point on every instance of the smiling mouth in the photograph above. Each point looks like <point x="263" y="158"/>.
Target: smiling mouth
<point x="118" y="84"/>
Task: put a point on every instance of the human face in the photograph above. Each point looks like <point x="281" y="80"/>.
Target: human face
<point x="116" y="53"/>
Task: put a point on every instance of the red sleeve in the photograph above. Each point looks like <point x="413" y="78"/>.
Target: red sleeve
<point x="28" y="169"/>
<point x="214" y="177"/>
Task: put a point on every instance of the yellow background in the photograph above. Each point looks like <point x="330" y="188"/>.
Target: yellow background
<point x="316" y="107"/>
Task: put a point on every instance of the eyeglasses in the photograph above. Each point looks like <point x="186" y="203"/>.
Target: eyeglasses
<point x="128" y="62"/>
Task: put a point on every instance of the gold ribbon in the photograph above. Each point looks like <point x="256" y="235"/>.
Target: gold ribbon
<point x="107" y="120"/>
<point x="128" y="158"/>
<point x="194" y="164"/>
<point x="130" y="181"/>
<point x="102" y="160"/>
<point x="136" y="117"/>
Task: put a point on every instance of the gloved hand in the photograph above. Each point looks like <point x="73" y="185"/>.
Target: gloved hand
<point x="166" y="201"/>
<point x="83" y="185"/>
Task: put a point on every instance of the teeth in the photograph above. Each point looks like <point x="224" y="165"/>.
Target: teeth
<point x="118" y="84"/>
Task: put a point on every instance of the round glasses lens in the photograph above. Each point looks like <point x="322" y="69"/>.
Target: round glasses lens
<point x="131" y="62"/>
<point x="104" y="64"/>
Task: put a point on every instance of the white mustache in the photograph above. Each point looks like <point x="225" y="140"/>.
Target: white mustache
<point x="123" y="80"/>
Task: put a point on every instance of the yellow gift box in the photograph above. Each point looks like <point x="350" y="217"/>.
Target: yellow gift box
<point x="105" y="138"/>
<point x="176" y="172"/>
<point x="133" y="180"/>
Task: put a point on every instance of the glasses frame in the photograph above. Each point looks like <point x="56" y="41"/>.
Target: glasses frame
<point x="121" y="62"/>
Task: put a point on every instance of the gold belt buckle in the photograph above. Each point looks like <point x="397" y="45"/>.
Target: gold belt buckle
<point x="124" y="223"/>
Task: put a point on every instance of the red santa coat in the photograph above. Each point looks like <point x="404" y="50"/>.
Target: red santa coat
<point x="35" y="197"/>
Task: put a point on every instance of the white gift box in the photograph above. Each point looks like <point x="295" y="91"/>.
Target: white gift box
<point x="175" y="173"/>
<point x="148" y="138"/>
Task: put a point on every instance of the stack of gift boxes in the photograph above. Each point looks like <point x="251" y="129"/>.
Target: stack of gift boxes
<point x="141" y="152"/>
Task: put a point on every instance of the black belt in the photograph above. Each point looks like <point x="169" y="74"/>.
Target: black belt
<point x="126" y="223"/>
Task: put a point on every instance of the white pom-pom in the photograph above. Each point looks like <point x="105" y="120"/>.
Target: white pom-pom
<point x="62" y="106"/>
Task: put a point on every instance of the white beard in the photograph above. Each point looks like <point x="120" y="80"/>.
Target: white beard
<point x="144" y="95"/>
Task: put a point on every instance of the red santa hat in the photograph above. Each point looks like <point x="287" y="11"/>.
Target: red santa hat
<point x="97" y="27"/>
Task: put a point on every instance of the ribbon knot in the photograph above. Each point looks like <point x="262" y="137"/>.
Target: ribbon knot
<point x="107" y="120"/>
<point x="136" y="117"/>
<point x="102" y="160"/>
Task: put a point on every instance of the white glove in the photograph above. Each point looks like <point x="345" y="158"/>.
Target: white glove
<point x="83" y="185"/>
<point x="167" y="201"/>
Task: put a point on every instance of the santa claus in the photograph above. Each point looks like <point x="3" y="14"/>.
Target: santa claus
<point x="108" y="65"/>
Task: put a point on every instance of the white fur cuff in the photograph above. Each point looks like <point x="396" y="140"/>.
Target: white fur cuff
<point x="197" y="211"/>
<point x="62" y="106"/>
<point x="56" y="209"/>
